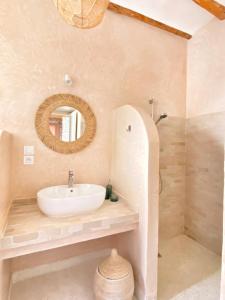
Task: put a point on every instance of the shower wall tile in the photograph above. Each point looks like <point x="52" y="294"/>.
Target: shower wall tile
<point x="205" y="176"/>
<point x="172" y="169"/>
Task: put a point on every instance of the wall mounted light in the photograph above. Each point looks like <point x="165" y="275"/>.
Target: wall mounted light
<point x="68" y="80"/>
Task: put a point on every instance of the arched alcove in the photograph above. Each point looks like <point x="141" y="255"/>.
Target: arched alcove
<point x="134" y="176"/>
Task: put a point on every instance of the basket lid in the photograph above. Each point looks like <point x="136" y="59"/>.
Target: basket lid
<point x="115" y="266"/>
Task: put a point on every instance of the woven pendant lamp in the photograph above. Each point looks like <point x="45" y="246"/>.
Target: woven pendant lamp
<point x="82" y="13"/>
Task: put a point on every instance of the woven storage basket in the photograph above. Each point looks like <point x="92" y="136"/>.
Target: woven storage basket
<point x="114" y="279"/>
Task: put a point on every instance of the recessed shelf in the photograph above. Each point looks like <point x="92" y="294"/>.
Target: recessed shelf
<point x="30" y="231"/>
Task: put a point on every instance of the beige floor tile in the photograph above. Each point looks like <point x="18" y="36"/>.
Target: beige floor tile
<point x="187" y="271"/>
<point x="70" y="284"/>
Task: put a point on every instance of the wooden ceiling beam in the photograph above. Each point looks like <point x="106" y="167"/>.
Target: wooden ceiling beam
<point x="130" y="13"/>
<point x="212" y="6"/>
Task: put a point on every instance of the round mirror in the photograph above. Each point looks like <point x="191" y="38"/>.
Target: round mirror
<point x="66" y="123"/>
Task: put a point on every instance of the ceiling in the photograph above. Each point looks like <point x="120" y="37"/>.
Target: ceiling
<point x="184" y="15"/>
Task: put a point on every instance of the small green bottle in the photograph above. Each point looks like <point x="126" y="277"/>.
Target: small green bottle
<point x="114" y="198"/>
<point x="108" y="191"/>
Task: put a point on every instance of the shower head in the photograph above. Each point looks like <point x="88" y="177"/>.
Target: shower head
<point x="162" y="116"/>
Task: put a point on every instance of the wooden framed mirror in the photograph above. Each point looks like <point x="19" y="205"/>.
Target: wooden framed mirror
<point x="65" y="123"/>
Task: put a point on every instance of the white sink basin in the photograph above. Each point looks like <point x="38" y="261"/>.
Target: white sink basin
<point x="61" y="201"/>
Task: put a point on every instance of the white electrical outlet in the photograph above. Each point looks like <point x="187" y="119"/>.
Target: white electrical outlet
<point x="28" y="150"/>
<point x="28" y="160"/>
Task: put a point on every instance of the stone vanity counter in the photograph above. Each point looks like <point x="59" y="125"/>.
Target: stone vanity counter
<point x="29" y="231"/>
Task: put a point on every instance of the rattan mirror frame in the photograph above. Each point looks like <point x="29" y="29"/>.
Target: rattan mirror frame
<point x="42" y="123"/>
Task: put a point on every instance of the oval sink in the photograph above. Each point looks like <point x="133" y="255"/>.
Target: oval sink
<point x="61" y="201"/>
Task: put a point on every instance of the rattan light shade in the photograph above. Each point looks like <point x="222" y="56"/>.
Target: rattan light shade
<point x="82" y="13"/>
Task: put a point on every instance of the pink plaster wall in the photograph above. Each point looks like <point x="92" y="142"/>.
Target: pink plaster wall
<point x="205" y="135"/>
<point x="121" y="61"/>
<point x="222" y="289"/>
<point x="5" y="275"/>
<point x="5" y="177"/>
<point x="135" y="177"/>
<point x="62" y="253"/>
<point x="206" y="70"/>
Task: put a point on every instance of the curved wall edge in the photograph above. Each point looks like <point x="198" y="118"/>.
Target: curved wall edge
<point x="135" y="177"/>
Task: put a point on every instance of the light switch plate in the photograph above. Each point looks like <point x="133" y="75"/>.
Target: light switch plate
<point x="28" y="150"/>
<point x="28" y="160"/>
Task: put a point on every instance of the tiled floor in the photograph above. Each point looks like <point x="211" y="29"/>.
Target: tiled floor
<point x="187" y="271"/>
<point x="74" y="283"/>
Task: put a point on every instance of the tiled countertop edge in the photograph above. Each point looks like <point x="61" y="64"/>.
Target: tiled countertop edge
<point x="37" y="247"/>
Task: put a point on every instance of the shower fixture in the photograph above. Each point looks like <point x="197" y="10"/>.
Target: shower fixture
<point x="162" y="116"/>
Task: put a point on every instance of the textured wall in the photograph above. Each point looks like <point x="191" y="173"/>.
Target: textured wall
<point x="49" y="256"/>
<point x="205" y="135"/>
<point x="121" y="61"/>
<point x="205" y="160"/>
<point x="5" y="177"/>
<point x="172" y="169"/>
<point x="5" y="275"/>
<point x="222" y="286"/>
<point x="206" y="70"/>
<point x="135" y="167"/>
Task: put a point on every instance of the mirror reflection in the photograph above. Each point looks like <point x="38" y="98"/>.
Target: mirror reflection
<point x="67" y="124"/>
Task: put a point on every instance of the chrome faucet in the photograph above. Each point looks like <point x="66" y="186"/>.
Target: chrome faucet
<point x="71" y="179"/>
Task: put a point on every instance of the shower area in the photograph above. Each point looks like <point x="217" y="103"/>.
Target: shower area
<point x="190" y="209"/>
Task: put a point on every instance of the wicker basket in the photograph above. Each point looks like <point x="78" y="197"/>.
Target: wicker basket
<point x="114" y="279"/>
